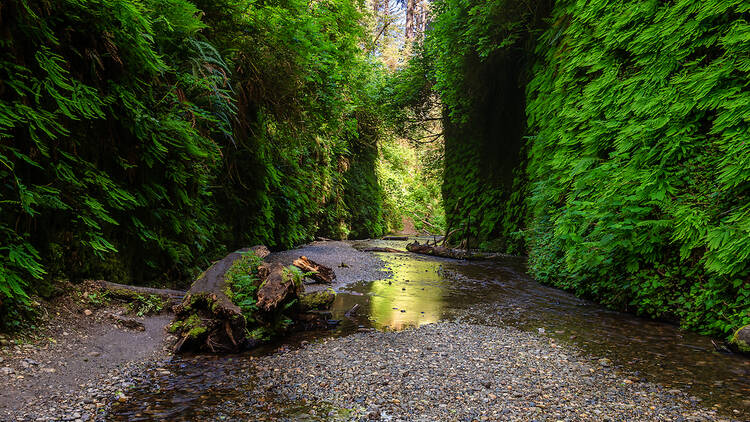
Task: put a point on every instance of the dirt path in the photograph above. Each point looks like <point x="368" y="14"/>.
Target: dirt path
<point x="54" y="376"/>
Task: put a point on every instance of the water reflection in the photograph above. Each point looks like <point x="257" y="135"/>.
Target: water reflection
<point x="414" y="296"/>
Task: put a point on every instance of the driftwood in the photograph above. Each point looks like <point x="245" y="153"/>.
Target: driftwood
<point x="207" y="319"/>
<point x="276" y="288"/>
<point x="444" y="252"/>
<point x="319" y="273"/>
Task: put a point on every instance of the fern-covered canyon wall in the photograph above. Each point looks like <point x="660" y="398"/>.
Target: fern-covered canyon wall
<point x="140" y="139"/>
<point x="482" y="54"/>
<point x="633" y="169"/>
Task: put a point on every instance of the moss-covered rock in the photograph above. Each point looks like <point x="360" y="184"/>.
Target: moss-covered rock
<point x="741" y="339"/>
<point x="318" y="300"/>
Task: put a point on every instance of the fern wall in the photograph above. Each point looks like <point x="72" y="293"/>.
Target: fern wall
<point x="141" y="139"/>
<point x="482" y="52"/>
<point x="637" y="147"/>
<point x="640" y="160"/>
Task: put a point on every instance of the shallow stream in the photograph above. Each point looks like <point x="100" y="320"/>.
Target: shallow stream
<point x="424" y="290"/>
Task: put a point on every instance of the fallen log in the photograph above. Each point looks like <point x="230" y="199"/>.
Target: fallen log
<point x="396" y="238"/>
<point x="317" y="272"/>
<point x="207" y="319"/>
<point x="444" y="252"/>
<point x="130" y="293"/>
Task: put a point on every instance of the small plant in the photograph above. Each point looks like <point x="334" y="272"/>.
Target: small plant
<point x="146" y="305"/>
<point x="96" y="299"/>
<point x="242" y="284"/>
<point x="296" y="275"/>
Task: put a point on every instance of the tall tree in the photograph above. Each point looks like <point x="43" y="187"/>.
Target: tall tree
<point x="410" y="6"/>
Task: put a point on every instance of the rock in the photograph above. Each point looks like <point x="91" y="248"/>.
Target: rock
<point x="605" y="362"/>
<point x="126" y="322"/>
<point x="319" y="300"/>
<point x="7" y="371"/>
<point x="87" y="312"/>
<point x="741" y="339"/>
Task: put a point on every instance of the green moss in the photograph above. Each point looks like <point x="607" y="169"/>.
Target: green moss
<point x="193" y="326"/>
<point x="175" y="327"/>
<point x="146" y="305"/>
<point x="318" y="300"/>
<point x="741" y="344"/>
<point x="196" y="331"/>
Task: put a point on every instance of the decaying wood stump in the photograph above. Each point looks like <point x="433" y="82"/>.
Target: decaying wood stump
<point x="207" y="319"/>
<point x="319" y="273"/>
<point x="276" y="288"/>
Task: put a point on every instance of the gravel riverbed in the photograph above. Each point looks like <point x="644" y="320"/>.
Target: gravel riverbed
<point x="460" y="372"/>
<point x="349" y="264"/>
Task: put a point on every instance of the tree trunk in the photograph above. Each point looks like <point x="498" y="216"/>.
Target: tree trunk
<point x="410" y="4"/>
<point x="207" y="320"/>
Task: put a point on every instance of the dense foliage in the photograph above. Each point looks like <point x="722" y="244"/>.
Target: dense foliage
<point x="480" y="53"/>
<point x="633" y="174"/>
<point x="640" y="159"/>
<point x="140" y="139"/>
<point x="410" y="163"/>
<point x="411" y="186"/>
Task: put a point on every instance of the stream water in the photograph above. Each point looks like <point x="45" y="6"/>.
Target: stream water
<point x="424" y="290"/>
